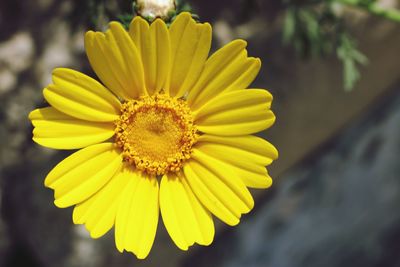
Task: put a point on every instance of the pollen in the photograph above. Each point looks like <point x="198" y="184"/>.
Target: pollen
<point x="156" y="133"/>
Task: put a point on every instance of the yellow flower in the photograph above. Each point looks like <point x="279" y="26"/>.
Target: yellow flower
<point x="171" y="115"/>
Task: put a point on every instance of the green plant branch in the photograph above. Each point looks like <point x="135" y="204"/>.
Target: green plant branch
<point x="374" y="8"/>
<point x="313" y="28"/>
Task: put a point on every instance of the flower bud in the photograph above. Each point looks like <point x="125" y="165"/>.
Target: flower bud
<point x="155" y="8"/>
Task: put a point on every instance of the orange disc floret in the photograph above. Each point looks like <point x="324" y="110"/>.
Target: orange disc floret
<point x="156" y="133"/>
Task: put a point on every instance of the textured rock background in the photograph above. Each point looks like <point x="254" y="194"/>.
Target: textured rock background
<point x="337" y="207"/>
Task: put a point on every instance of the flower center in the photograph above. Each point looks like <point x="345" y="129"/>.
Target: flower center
<point x="156" y="134"/>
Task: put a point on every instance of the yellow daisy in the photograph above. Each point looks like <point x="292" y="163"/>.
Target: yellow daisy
<point x="170" y="130"/>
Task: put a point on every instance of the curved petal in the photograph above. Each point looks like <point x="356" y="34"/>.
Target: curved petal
<point x="218" y="188"/>
<point x="227" y="69"/>
<point x="99" y="211"/>
<point x="239" y="112"/>
<point x="116" y="60"/>
<point x="248" y="147"/>
<point x="252" y="178"/>
<point x="57" y="130"/>
<point x="137" y="216"/>
<point x="82" y="97"/>
<point x="246" y="155"/>
<point x="185" y="219"/>
<point x="190" y="45"/>
<point x="82" y="174"/>
<point x="154" y="46"/>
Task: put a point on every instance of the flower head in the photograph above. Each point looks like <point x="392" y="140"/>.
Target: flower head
<point x="168" y="130"/>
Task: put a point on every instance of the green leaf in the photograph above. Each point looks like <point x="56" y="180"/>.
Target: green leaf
<point x="349" y="55"/>
<point x="125" y="20"/>
<point x="289" y="25"/>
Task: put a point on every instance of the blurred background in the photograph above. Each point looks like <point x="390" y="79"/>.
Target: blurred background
<point x="334" y="70"/>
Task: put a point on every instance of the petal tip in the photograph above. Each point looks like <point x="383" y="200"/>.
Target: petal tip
<point x="258" y="62"/>
<point x="33" y="114"/>
<point x="240" y="42"/>
<point x="120" y="250"/>
<point x="158" y="21"/>
<point x="76" y="218"/>
<point x="275" y="152"/>
<point x="89" y="36"/>
<point x="182" y="247"/>
<point x="114" y="25"/>
<point x="207" y="240"/>
<point x="269" y="182"/>
<point x="233" y="222"/>
<point x="207" y="26"/>
<point x="137" y="21"/>
<point x="35" y="139"/>
<point x="60" y="204"/>
<point x="94" y="234"/>
<point x="47" y="182"/>
<point x="184" y="14"/>
<point x="141" y="255"/>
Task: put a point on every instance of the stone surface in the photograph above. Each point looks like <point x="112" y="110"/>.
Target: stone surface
<point x="15" y="56"/>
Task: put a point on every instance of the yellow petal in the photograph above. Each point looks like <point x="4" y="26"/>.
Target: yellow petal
<point x="81" y="97"/>
<point x="116" y="60"/>
<point x="238" y="112"/>
<point x="190" y="44"/>
<point x="99" y="211"/>
<point x="239" y="150"/>
<point x="246" y="155"/>
<point x="185" y="219"/>
<point x="218" y="188"/>
<point x="153" y="44"/>
<point x="252" y="178"/>
<point x="59" y="131"/>
<point x="137" y="216"/>
<point x="227" y="69"/>
<point x="98" y="60"/>
<point x="82" y="174"/>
